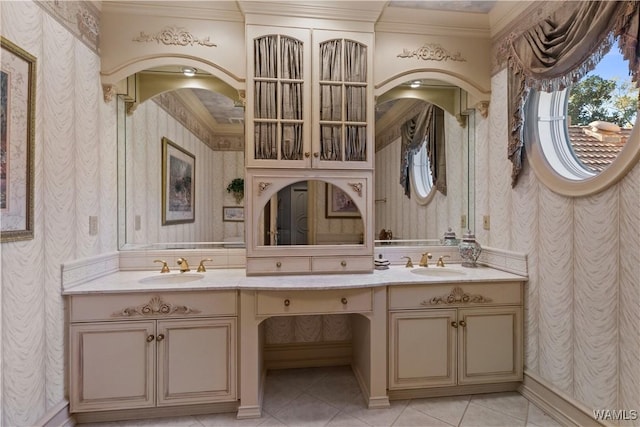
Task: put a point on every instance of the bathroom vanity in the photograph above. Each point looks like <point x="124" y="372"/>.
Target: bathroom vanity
<point x="146" y="344"/>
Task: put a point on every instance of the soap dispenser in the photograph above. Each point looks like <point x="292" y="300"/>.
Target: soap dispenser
<point x="469" y="249"/>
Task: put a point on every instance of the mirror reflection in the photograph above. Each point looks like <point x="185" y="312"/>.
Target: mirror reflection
<point x="206" y="120"/>
<point x="310" y="213"/>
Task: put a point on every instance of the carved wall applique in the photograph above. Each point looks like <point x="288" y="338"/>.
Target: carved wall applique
<point x="155" y="306"/>
<point x="357" y="187"/>
<point x="174" y="36"/>
<point x="457" y="296"/>
<point x="262" y="186"/>
<point x="431" y="52"/>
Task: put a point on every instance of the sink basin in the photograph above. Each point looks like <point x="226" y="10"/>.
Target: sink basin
<point x="172" y="278"/>
<point x="438" y="271"/>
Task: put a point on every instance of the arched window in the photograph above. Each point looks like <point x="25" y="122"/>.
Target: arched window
<point x="421" y="175"/>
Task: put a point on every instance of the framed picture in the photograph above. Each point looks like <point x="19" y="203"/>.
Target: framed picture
<point x="339" y="204"/>
<point x="17" y="127"/>
<point x="233" y="213"/>
<point x="178" y="184"/>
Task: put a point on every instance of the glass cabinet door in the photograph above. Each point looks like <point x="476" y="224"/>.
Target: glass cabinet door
<point x="280" y="122"/>
<point x="344" y="101"/>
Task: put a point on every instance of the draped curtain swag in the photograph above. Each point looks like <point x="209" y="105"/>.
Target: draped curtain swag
<point x="426" y="125"/>
<point x="562" y="49"/>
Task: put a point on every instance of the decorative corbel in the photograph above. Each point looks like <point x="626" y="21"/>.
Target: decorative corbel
<point x="108" y="92"/>
<point x="262" y="186"/>
<point x="483" y="108"/>
<point x="357" y="187"/>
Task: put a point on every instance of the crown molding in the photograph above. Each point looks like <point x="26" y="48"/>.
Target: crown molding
<point x="216" y="10"/>
<point x="434" y="22"/>
<point x="368" y="11"/>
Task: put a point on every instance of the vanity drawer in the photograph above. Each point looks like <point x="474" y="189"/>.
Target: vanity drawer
<point x="454" y="295"/>
<point x="314" y="302"/>
<point x="152" y="305"/>
<point x="345" y="264"/>
<point x="275" y="265"/>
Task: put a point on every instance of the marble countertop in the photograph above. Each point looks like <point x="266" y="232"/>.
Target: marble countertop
<point x="218" y="279"/>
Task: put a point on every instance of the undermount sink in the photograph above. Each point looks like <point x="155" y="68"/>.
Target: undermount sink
<point x="172" y="278"/>
<point x="438" y="271"/>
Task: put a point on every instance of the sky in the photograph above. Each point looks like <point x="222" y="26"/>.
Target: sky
<point x="612" y="65"/>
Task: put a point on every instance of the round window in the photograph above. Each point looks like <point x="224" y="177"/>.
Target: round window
<point x="581" y="140"/>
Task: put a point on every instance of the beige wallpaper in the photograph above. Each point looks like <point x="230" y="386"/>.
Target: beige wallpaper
<point x="581" y="317"/>
<point x="75" y="177"/>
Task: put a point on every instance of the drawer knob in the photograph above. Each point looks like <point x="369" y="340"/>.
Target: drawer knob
<point x="287" y="303"/>
<point x="343" y="263"/>
<point x="160" y="337"/>
<point x="278" y="264"/>
<point x="454" y="324"/>
<point x="307" y="154"/>
<point x="344" y="301"/>
<point x="316" y="154"/>
<point x="463" y="323"/>
<point x="150" y="338"/>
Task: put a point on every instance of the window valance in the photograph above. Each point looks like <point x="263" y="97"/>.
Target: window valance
<point x="424" y="126"/>
<point x="562" y="49"/>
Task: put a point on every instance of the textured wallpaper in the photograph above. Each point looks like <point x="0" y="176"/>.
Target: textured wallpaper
<point x="75" y="177"/>
<point x="582" y="320"/>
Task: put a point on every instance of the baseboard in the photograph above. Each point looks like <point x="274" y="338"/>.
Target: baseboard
<point x="307" y="355"/>
<point x="58" y="416"/>
<point x="560" y="407"/>
<point x="421" y="393"/>
<point x="159" y="412"/>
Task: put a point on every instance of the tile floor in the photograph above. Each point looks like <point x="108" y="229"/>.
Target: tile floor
<point x="331" y="397"/>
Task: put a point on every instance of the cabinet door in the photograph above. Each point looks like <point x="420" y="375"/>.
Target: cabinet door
<point x="112" y="365"/>
<point x="422" y="349"/>
<point x="278" y="97"/>
<point x="343" y="100"/>
<point x="490" y="342"/>
<point x="196" y="361"/>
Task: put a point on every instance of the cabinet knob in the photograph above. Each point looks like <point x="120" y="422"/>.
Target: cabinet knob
<point x="287" y="303"/>
<point x="307" y="154"/>
<point x="150" y="338"/>
<point x="316" y="154"/>
<point x="344" y="301"/>
<point x="463" y="323"/>
<point x="278" y="264"/>
<point x="343" y="263"/>
<point x="454" y="324"/>
<point x="160" y="337"/>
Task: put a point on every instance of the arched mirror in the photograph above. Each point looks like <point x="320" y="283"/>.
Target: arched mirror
<point x="182" y="120"/>
<point x="436" y="190"/>
<point x="310" y="212"/>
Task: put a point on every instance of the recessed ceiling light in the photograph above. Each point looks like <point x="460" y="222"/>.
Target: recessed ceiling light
<point x="415" y="84"/>
<point x="189" y="71"/>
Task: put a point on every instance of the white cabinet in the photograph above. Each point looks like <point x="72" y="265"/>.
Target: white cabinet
<point x="455" y="335"/>
<point x="166" y="354"/>
<point x="309" y="98"/>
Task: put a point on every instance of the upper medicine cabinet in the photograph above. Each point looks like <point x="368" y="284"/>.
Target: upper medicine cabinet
<point x="310" y="97"/>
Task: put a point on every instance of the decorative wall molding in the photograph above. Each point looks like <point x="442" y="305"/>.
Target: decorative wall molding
<point x="483" y="108"/>
<point x="217" y="142"/>
<point x="356" y="187"/>
<point x="81" y="18"/>
<point x="108" y="92"/>
<point x="457" y="296"/>
<point x="431" y="52"/>
<point x="262" y="186"/>
<point x="177" y="36"/>
<point x="156" y="306"/>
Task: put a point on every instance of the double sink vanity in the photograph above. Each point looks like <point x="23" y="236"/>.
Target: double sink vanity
<point x="144" y="343"/>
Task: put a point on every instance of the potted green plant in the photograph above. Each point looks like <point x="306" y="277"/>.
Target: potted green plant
<point x="236" y="187"/>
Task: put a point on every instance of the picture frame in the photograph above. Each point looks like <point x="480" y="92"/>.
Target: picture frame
<point x="339" y="204"/>
<point x="233" y="213"/>
<point x="178" y="184"/>
<point x="17" y="141"/>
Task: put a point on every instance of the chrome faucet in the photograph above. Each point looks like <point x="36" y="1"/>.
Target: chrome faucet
<point x="184" y="265"/>
<point x="440" y="262"/>
<point x="424" y="261"/>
